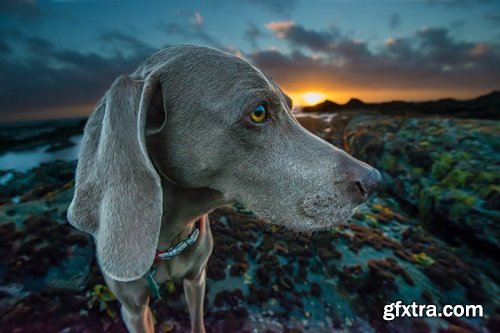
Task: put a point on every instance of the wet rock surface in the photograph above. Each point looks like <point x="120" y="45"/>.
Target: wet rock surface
<point x="429" y="236"/>
<point x="447" y="170"/>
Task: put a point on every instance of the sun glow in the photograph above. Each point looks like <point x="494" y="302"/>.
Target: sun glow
<point x="312" y="98"/>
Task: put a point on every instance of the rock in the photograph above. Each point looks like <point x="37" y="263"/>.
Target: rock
<point x="215" y="270"/>
<point x="364" y="236"/>
<point x="38" y="182"/>
<point x="427" y="295"/>
<point x="392" y="248"/>
<point x="420" y="326"/>
<point x="64" y="143"/>
<point x="238" y="269"/>
<point x="493" y="323"/>
<point x="263" y="276"/>
<point x="230" y="297"/>
<point x="328" y="126"/>
<point x="315" y="289"/>
<point x="326" y="253"/>
<point x="444" y="168"/>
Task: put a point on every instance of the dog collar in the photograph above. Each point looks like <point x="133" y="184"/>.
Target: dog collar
<point x="177" y="249"/>
<point x="169" y="254"/>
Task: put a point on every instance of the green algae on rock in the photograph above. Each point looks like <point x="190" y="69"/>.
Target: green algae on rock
<point x="446" y="168"/>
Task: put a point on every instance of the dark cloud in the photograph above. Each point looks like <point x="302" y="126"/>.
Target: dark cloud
<point x="51" y="77"/>
<point x="4" y="47"/>
<point x="434" y="37"/>
<point x="297" y="35"/>
<point x="458" y="3"/>
<point x="457" y="24"/>
<point x="397" y="49"/>
<point x="429" y="59"/>
<point x="252" y="34"/>
<point x="39" y="46"/>
<point x="294" y="71"/>
<point x="432" y="58"/>
<point x="192" y="31"/>
<point x="438" y="47"/>
<point x="123" y="40"/>
<point x="352" y="51"/>
<point x="394" y="21"/>
<point x="8" y="32"/>
<point x="21" y="8"/>
<point x="277" y="6"/>
<point x="493" y="18"/>
<point x="458" y="27"/>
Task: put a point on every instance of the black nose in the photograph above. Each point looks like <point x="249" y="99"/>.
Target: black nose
<point x="369" y="183"/>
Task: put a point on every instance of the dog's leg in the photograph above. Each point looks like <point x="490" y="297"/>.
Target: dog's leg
<point x="138" y="319"/>
<point x="194" y="291"/>
<point x="134" y="298"/>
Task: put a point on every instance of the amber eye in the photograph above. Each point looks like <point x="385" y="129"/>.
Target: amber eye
<point x="259" y="114"/>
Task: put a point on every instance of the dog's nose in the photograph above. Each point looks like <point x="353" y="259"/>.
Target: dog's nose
<point x="369" y="182"/>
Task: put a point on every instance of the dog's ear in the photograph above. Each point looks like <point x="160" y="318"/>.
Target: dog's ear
<point x="118" y="196"/>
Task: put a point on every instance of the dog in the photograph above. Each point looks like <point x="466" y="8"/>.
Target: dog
<point x="190" y="130"/>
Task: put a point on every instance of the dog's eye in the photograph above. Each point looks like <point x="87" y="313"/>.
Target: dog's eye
<point x="259" y="114"/>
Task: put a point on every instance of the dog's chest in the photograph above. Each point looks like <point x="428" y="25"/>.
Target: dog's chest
<point x="189" y="263"/>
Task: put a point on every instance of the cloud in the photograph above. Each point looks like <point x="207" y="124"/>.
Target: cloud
<point x="4" y="47"/>
<point x="297" y="35"/>
<point x="39" y="46"/>
<point x="27" y="9"/>
<point x="8" y="32"/>
<point x="50" y="77"/>
<point x="430" y="58"/>
<point x="192" y="31"/>
<point x="280" y="27"/>
<point x="438" y="47"/>
<point x="252" y="34"/>
<point x="492" y="18"/>
<point x="120" y="39"/>
<point x="394" y="21"/>
<point x="282" y="7"/>
<point x="197" y="19"/>
<point x="459" y="3"/>
<point x="47" y="77"/>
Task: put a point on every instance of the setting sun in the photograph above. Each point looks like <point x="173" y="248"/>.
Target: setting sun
<point x="311" y="98"/>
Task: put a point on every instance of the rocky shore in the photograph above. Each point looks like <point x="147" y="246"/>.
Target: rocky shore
<point x="430" y="235"/>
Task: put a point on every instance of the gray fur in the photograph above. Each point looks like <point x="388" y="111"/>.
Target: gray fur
<point x="117" y="188"/>
<point x="173" y="141"/>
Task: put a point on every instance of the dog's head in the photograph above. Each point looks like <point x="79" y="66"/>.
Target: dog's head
<point x="202" y="118"/>
<point x="229" y="127"/>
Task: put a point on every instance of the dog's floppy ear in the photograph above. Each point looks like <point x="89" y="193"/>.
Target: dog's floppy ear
<point x="118" y="196"/>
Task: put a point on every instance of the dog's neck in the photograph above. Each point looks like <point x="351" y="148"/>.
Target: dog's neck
<point x="182" y="207"/>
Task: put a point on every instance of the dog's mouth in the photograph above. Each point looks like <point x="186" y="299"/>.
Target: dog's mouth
<point x="317" y="211"/>
<point x="323" y="211"/>
<point x="300" y="222"/>
<point x="300" y="226"/>
<point x="325" y="219"/>
<point x="308" y="224"/>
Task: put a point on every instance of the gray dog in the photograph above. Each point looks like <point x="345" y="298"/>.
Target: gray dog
<point x="190" y="130"/>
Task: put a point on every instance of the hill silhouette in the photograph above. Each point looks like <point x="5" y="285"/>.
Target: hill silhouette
<point x="482" y="107"/>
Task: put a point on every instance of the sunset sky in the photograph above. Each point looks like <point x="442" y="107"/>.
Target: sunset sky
<point x="58" y="57"/>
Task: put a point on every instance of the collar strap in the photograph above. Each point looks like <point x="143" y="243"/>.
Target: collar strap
<point x="177" y="249"/>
